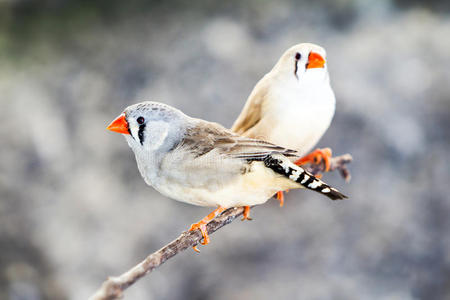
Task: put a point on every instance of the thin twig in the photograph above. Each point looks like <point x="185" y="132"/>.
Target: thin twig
<point x="336" y="163"/>
<point x="113" y="287"/>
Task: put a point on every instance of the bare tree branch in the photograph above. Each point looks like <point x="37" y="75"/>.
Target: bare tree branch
<point x="336" y="163"/>
<point x="113" y="287"/>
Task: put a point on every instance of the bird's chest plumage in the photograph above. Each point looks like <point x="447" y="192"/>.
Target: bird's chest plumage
<point x="298" y="117"/>
<point x="197" y="180"/>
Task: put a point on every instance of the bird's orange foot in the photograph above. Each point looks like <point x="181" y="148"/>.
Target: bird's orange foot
<point x="202" y="226"/>
<point x="280" y="197"/>
<point x="316" y="157"/>
<point x="246" y="214"/>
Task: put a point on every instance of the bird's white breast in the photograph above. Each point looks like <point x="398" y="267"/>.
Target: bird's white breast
<point x="297" y="117"/>
<point x="230" y="188"/>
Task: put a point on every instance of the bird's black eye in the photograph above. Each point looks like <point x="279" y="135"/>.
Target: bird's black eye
<point x="298" y="56"/>
<point x="140" y="120"/>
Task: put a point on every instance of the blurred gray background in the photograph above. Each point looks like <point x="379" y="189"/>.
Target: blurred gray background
<point x="74" y="209"/>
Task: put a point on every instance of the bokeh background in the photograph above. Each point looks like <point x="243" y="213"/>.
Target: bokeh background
<point x="74" y="209"/>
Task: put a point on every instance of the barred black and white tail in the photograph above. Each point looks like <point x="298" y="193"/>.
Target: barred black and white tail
<point x="285" y="167"/>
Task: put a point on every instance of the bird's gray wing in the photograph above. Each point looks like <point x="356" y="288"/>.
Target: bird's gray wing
<point x="205" y="137"/>
<point x="253" y="109"/>
<point x="211" y="140"/>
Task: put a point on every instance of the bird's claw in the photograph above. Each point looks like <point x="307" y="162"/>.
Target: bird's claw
<point x="201" y="225"/>
<point x="316" y="157"/>
<point x="246" y="214"/>
<point x="280" y="197"/>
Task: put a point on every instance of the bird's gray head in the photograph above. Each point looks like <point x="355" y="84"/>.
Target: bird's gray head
<point x="303" y="62"/>
<point x="150" y="127"/>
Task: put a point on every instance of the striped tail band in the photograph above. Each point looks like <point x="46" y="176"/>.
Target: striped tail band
<point x="285" y="167"/>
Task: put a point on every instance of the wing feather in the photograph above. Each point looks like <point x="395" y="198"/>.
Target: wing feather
<point x="208" y="136"/>
<point x="252" y="112"/>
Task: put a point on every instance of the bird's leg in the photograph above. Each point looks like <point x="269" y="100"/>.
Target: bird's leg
<point x="202" y="225"/>
<point x="280" y="197"/>
<point x="316" y="157"/>
<point x="246" y="215"/>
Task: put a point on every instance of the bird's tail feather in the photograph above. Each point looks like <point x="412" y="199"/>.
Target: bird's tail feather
<point x="285" y="167"/>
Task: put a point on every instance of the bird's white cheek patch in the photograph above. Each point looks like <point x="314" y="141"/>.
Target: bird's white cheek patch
<point x="326" y="190"/>
<point x="156" y="134"/>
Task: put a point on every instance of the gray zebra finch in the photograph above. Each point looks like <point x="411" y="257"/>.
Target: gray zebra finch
<point x="203" y="163"/>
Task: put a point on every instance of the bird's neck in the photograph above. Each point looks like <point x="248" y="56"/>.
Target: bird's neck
<point x="305" y="87"/>
<point x="309" y="96"/>
<point x="149" y="165"/>
<point x="310" y="79"/>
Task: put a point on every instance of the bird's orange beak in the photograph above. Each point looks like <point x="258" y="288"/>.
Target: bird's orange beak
<point x="119" y="125"/>
<point x="315" y="60"/>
